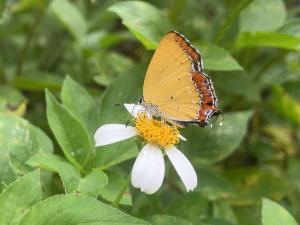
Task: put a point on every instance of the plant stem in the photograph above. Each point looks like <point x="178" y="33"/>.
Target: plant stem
<point x="121" y="192"/>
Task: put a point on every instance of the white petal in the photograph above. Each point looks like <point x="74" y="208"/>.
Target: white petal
<point x="134" y="109"/>
<point x="149" y="169"/>
<point x="182" y="138"/>
<point x="183" y="168"/>
<point x="111" y="133"/>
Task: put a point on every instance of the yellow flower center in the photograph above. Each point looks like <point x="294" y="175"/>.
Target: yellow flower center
<point x="156" y="131"/>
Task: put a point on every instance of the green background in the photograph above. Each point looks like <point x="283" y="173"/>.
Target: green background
<point x="65" y="65"/>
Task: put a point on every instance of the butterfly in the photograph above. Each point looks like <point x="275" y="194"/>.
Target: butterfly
<point x="176" y="87"/>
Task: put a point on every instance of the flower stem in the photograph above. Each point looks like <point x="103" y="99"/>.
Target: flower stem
<point x="121" y="192"/>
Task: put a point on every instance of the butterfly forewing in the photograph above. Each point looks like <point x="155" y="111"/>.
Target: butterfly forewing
<point x="171" y="84"/>
<point x="168" y="83"/>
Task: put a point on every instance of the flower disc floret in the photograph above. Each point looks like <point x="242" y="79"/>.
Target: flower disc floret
<point x="156" y="132"/>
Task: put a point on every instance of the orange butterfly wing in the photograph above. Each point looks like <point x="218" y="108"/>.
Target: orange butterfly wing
<point x="175" y="82"/>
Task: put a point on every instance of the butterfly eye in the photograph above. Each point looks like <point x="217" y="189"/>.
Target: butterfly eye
<point x="141" y="100"/>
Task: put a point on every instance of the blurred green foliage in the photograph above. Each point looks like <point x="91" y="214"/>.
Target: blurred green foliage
<point x="91" y="56"/>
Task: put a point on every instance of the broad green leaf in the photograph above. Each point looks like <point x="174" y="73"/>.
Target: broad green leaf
<point x="19" y="141"/>
<point x="11" y="100"/>
<point x="243" y="212"/>
<point x="70" y="16"/>
<point x="251" y="184"/>
<point x="90" y="185"/>
<point x="275" y="214"/>
<point x="209" y="145"/>
<point x="93" y="183"/>
<point x="37" y="81"/>
<point x="116" y="153"/>
<point x="294" y="172"/>
<point x="268" y="39"/>
<point x="282" y="137"/>
<point x="114" y="186"/>
<point x="286" y="105"/>
<point x="109" y="66"/>
<point x="24" y="5"/>
<point x="167" y="220"/>
<point x="213" y="185"/>
<point x="292" y="27"/>
<point x="189" y="206"/>
<point x="19" y="196"/>
<point x="101" y="39"/>
<point x="222" y="209"/>
<point x="72" y="210"/>
<point x="69" y="132"/>
<point x="230" y="18"/>
<point x="54" y="163"/>
<point x="214" y="221"/>
<point x="262" y="15"/>
<point x="145" y="21"/>
<point x="126" y="89"/>
<point x="81" y="104"/>
<point x="217" y="58"/>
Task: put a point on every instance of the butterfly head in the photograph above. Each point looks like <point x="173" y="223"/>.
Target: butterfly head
<point x="150" y="108"/>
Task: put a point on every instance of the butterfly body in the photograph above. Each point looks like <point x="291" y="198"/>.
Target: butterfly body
<point x="175" y="87"/>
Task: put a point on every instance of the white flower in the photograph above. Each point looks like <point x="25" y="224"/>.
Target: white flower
<point x="149" y="167"/>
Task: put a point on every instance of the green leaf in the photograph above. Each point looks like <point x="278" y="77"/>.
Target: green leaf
<point x="72" y="210"/>
<point x="109" y="66"/>
<point x="90" y="185"/>
<point x="81" y="104"/>
<point x="189" y="206"/>
<point x="262" y="15"/>
<point x="222" y="209"/>
<point x="252" y="183"/>
<point x="230" y="18"/>
<point x="213" y="185"/>
<point x="292" y="27"/>
<point x="54" y="163"/>
<point x="70" y="17"/>
<point x="293" y="172"/>
<point x="243" y="212"/>
<point x="93" y="183"/>
<point x="286" y="105"/>
<point x="167" y="220"/>
<point x="69" y="132"/>
<point x="275" y="214"/>
<point x="19" y="196"/>
<point x="114" y="186"/>
<point x="126" y="89"/>
<point x="19" y="141"/>
<point x="145" y="21"/>
<point x="37" y="81"/>
<point x="218" y="59"/>
<point x="268" y="39"/>
<point x="116" y="153"/>
<point x="210" y="145"/>
<point x="12" y="100"/>
<point x="214" y="221"/>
